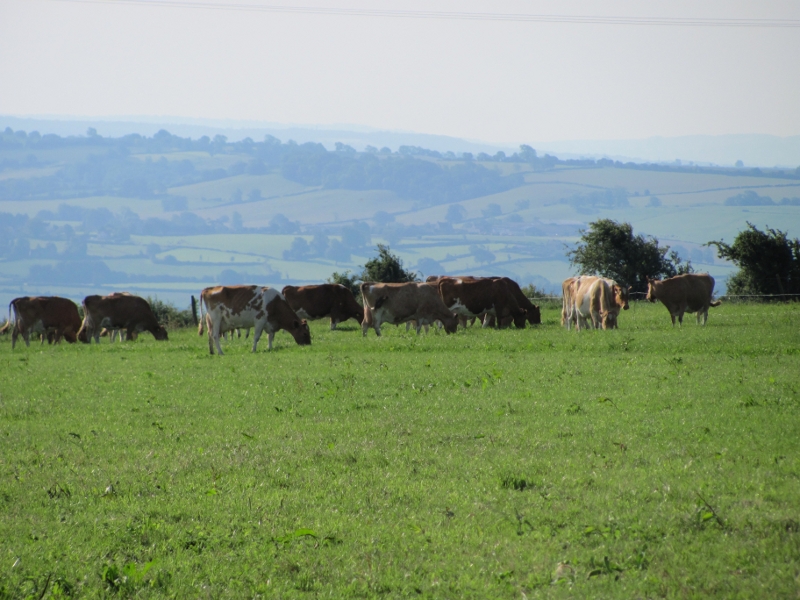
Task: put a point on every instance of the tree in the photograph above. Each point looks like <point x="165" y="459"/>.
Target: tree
<point x="298" y="251"/>
<point x="455" y="213"/>
<point x="768" y="261"/>
<point x="481" y="255"/>
<point x="386" y="268"/>
<point x="610" y="249"/>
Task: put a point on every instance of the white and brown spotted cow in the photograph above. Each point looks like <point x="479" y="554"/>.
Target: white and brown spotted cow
<point x="326" y="300"/>
<point x="398" y="303"/>
<point x="244" y="306"/>
<point x="690" y="293"/>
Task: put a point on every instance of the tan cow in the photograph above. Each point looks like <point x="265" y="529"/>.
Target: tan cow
<point x="470" y="297"/>
<point x="585" y="301"/>
<point x="326" y="300"/>
<point x="398" y="303"/>
<point x="51" y="316"/>
<point x="690" y="293"/>
<point x="118" y="311"/>
<point x="244" y="306"/>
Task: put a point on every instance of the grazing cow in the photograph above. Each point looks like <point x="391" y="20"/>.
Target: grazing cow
<point x="121" y="311"/>
<point x="244" y="306"/>
<point x="533" y="313"/>
<point x="690" y="293"/>
<point x="473" y="297"/>
<point x="319" y="301"/>
<point x="50" y="316"/>
<point x="402" y="302"/>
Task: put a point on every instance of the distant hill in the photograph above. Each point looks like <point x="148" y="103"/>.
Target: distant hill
<point x="754" y="150"/>
<point x="166" y="215"/>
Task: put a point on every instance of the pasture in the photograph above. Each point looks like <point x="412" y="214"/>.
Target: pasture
<point x="650" y="461"/>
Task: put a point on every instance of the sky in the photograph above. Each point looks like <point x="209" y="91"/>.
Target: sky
<point x="504" y="81"/>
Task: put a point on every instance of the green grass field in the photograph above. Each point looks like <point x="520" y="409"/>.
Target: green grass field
<point x="643" y="462"/>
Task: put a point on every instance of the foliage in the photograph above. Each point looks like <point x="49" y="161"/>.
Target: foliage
<point x="351" y="282"/>
<point x="366" y="467"/>
<point x="768" y="261"/>
<point x="610" y="249"/>
<point x="169" y="316"/>
<point x="386" y="268"/>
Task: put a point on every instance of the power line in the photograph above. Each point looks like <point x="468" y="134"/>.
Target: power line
<point x="454" y="15"/>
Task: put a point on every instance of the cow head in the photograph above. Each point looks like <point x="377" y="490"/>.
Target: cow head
<point x="300" y="332"/>
<point x="451" y="324"/>
<point x="621" y="296"/>
<point x="651" y="290"/>
<point x="520" y="318"/>
<point x="534" y="315"/>
<point x="159" y="333"/>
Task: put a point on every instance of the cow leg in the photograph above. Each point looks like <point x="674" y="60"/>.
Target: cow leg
<point x="216" y="334"/>
<point x="408" y="326"/>
<point x="270" y="337"/>
<point x="14" y="336"/>
<point x="333" y="324"/>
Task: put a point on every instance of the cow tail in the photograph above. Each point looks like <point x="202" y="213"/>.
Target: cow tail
<point x="10" y="306"/>
<point x="202" y="319"/>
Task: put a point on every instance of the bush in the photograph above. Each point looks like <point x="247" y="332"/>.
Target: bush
<point x="169" y="316"/>
<point x="386" y="268"/>
<point x="768" y="261"/>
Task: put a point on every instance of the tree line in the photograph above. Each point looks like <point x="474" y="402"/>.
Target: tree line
<point x="768" y="261"/>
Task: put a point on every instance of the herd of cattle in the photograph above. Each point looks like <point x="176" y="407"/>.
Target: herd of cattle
<point x="588" y="302"/>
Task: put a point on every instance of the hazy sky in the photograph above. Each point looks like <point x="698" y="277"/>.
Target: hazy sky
<point x="498" y="81"/>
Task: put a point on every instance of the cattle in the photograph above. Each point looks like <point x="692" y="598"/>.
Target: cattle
<point x="397" y="303"/>
<point x="589" y="299"/>
<point x="6" y="328"/>
<point x="568" y="289"/>
<point x="327" y="300"/>
<point x="690" y="293"/>
<point x="50" y="316"/>
<point x="473" y="297"/>
<point x="534" y="315"/>
<point x="121" y="311"/>
<point x="243" y="306"/>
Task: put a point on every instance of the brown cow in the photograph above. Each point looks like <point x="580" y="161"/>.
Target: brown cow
<point x="690" y="293"/>
<point x="244" y="306"/>
<point x="397" y="303"/>
<point x="118" y="311"/>
<point x="319" y="301"/>
<point x="50" y="316"/>
<point x="473" y="297"/>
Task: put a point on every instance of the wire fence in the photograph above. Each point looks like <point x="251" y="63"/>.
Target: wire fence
<point x="727" y="297"/>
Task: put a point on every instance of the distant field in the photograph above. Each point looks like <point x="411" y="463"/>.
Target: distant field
<point x="650" y="461"/>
